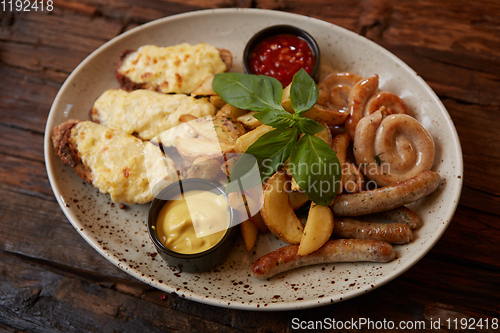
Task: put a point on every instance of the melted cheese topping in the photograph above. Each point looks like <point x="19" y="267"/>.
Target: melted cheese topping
<point x="179" y="69"/>
<point x="147" y="113"/>
<point x="116" y="161"/>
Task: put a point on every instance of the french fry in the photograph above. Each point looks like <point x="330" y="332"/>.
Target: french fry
<point x="249" y="232"/>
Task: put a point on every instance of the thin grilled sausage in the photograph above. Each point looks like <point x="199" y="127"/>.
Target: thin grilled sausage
<point x="403" y="215"/>
<point x="394" y="233"/>
<point x="388" y="197"/>
<point x="336" y="250"/>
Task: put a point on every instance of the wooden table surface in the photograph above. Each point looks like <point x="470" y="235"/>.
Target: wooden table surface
<point x="52" y="280"/>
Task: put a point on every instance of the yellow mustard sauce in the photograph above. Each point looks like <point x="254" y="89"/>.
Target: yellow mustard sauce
<point x="193" y="222"/>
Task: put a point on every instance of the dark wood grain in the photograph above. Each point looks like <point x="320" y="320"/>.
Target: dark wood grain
<point x="51" y="280"/>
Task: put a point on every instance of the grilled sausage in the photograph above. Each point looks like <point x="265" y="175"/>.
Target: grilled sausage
<point x="392" y="148"/>
<point x="388" y="197"/>
<point x="338" y="250"/>
<point x="394" y="233"/>
<point x="403" y="215"/>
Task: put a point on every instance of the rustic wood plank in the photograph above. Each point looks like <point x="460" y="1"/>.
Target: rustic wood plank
<point x="475" y="231"/>
<point x="466" y="231"/>
<point x="480" y="149"/>
<point x="80" y="32"/>
<point x="342" y="13"/>
<point x="442" y="25"/>
<point x="30" y="95"/>
<point x="21" y="143"/>
<point x="465" y="85"/>
<point x="478" y="199"/>
<point x="36" y="299"/>
<point x="25" y="175"/>
<point x="41" y="231"/>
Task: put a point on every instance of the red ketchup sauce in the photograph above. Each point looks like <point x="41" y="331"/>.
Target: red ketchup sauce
<point x="282" y="56"/>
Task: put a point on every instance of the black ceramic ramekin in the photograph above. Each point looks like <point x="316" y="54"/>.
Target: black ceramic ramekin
<point x="279" y="30"/>
<point x="197" y="262"/>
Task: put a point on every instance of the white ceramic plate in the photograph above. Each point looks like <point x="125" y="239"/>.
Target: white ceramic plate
<point x="121" y="235"/>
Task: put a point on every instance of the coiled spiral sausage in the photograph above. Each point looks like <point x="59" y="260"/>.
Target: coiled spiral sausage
<point x="392" y="148"/>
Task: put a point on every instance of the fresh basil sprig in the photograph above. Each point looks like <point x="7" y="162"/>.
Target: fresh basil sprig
<point x="313" y="164"/>
<point x="303" y="92"/>
<point x="249" y="92"/>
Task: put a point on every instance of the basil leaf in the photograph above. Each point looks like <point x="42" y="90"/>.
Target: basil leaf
<point x="303" y="92"/>
<point x="309" y="126"/>
<point x="275" y="118"/>
<point x="248" y="91"/>
<point x="316" y="169"/>
<point x="271" y="150"/>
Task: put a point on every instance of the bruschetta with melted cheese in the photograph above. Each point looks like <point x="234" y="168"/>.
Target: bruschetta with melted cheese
<point x="112" y="160"/>
<point x="175" y="69"/>
<point x="146" y="113"/>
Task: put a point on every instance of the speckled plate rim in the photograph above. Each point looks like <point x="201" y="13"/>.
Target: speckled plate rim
<point x="48" y="152"/>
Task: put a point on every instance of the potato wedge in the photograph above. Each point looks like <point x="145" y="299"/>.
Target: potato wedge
<point x="228" y="166"/>
<point x="193" y="148"/>
<point x="249" y="232"/>
<point x="229" y="111"/>
<point x="297" y="199"/>
<point x="294" y="186"/>
<point x="226" y="131"/>
<point x="204" y="168"/>
<point x="277" y="211"/>
<point x="247" y="203"/>
<point x="285" y="99"/>
<point x="246" y="140"/>
<point x="318" y="112"/>
<point x="353" y="181"/>
<point x="319" y="228"/>
<point x="203" y="126"/>
<point x="213" y="128"/>
<point x="249" y="121"/>
<point x="217" y="101"/>
<point x="259" y="222"/>
<point x="322" y="114"/>
<point x="325" y="135"/>
<point x="340" y="143"/>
